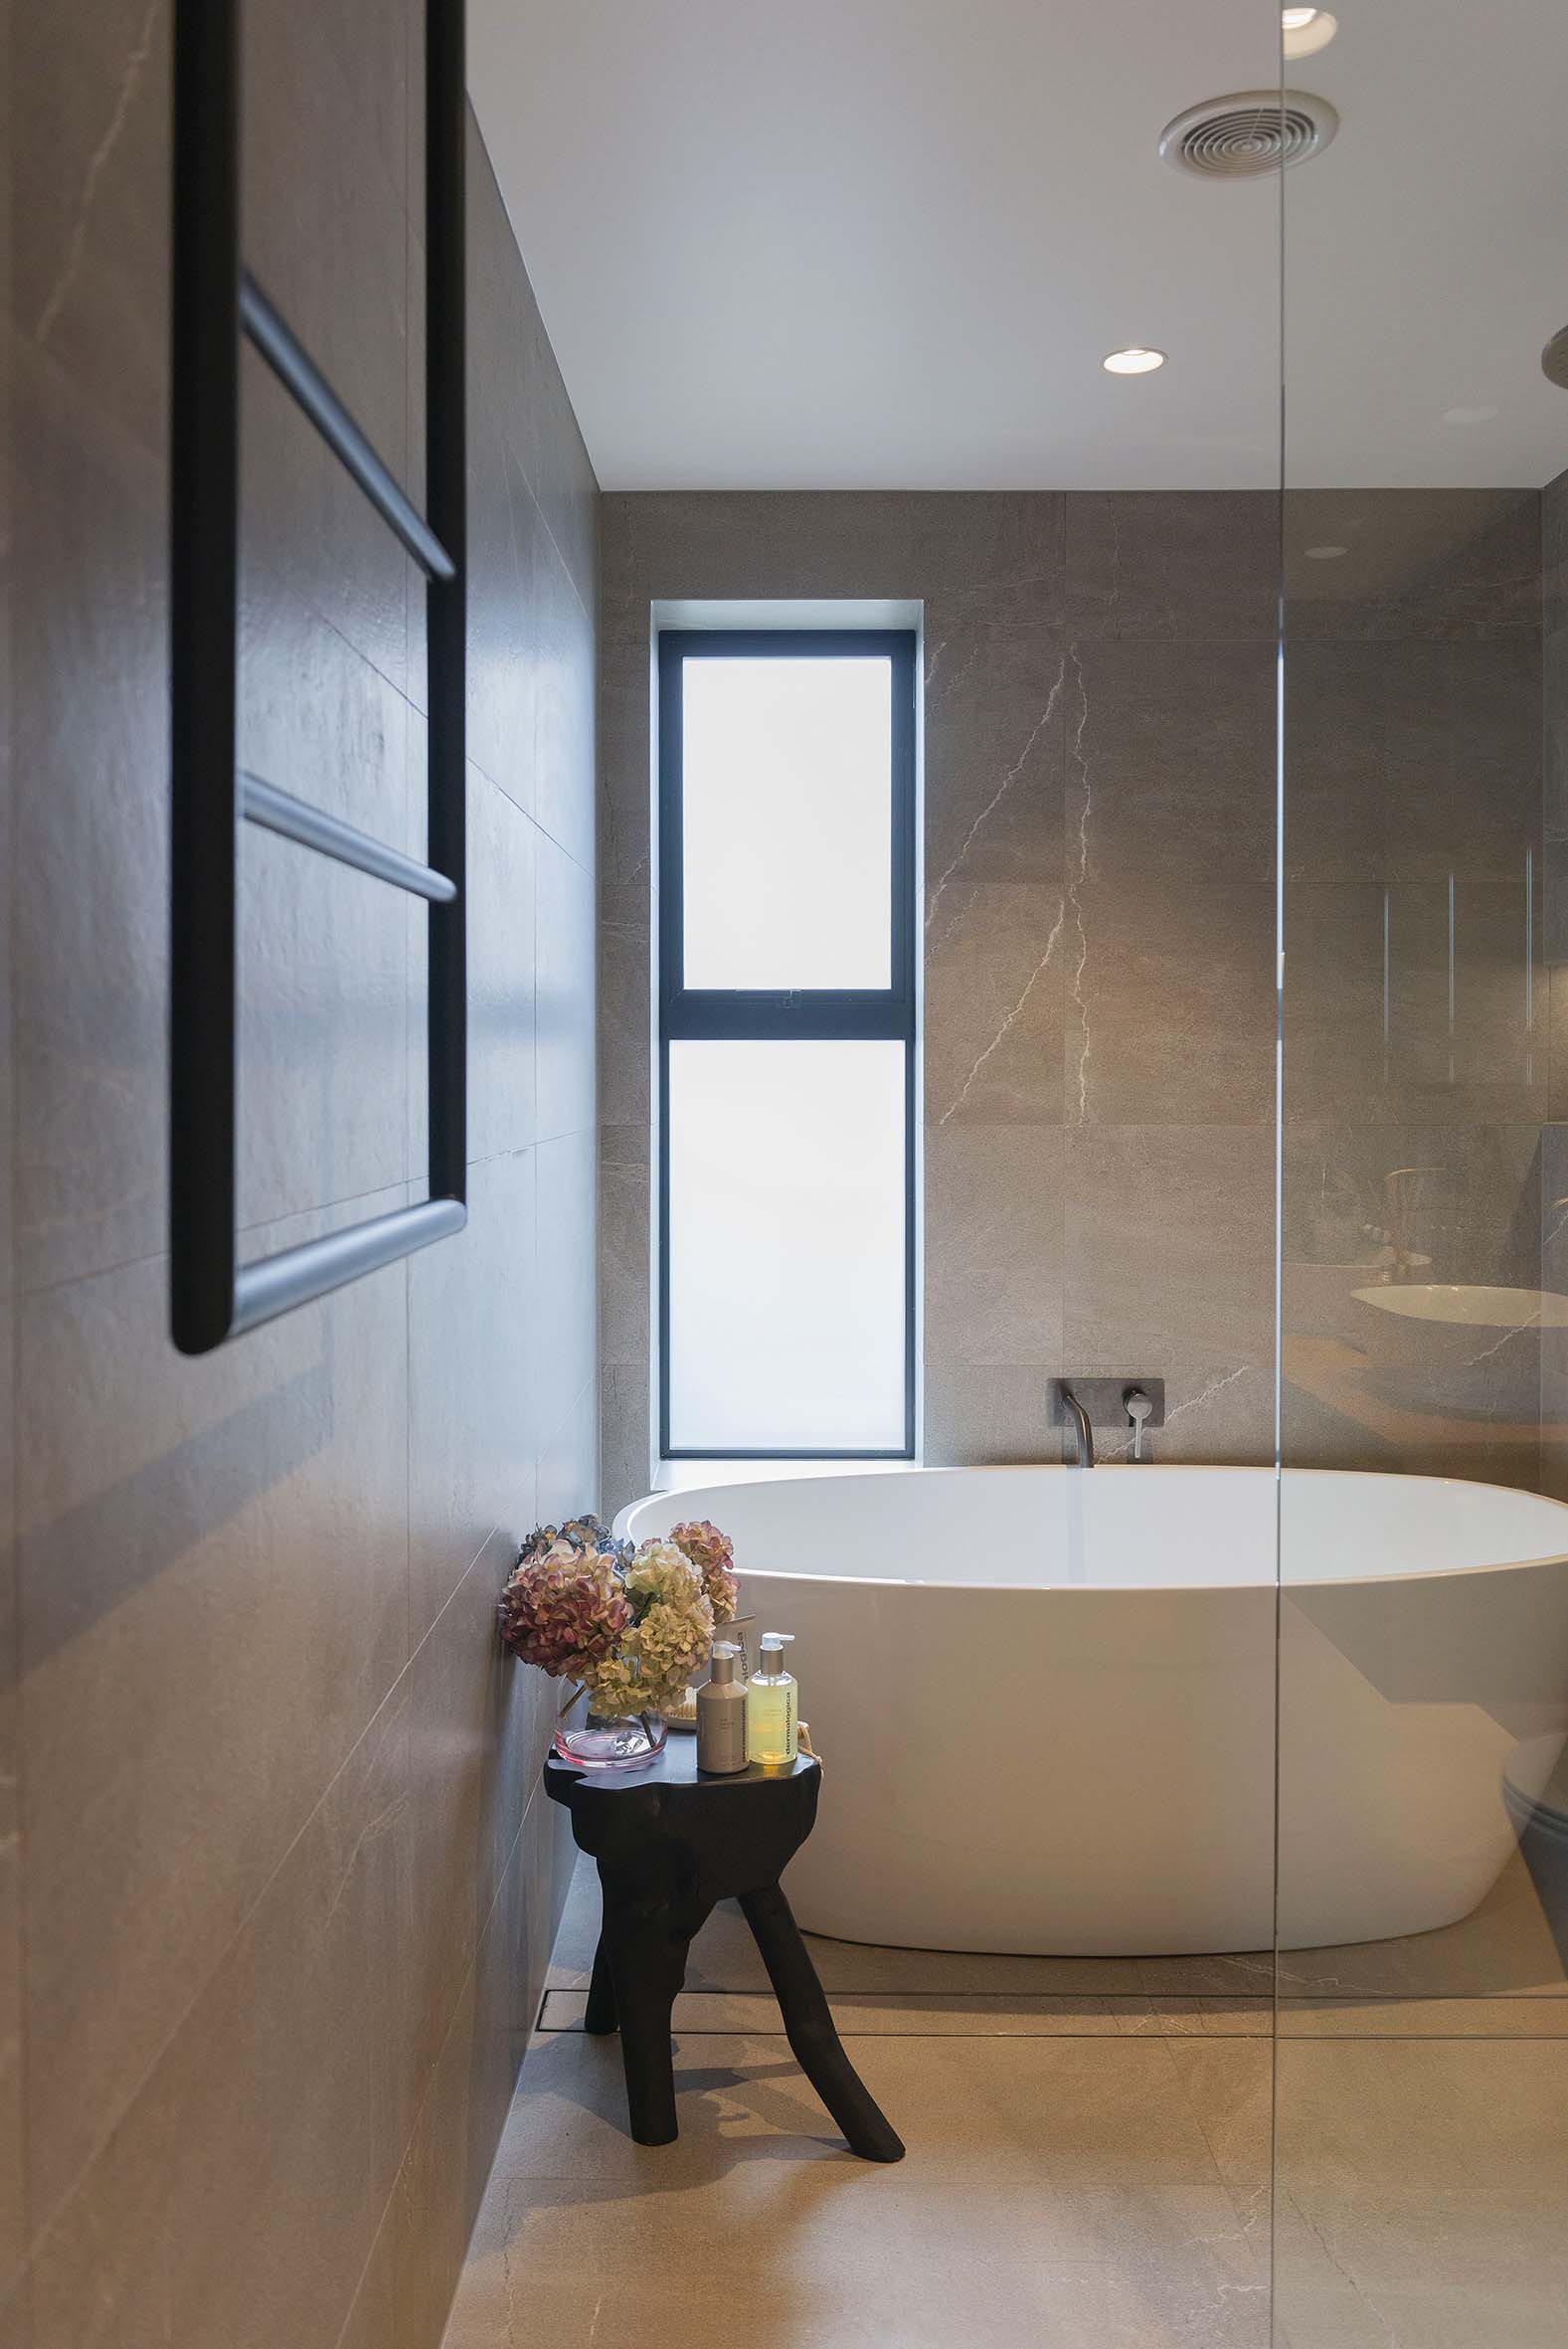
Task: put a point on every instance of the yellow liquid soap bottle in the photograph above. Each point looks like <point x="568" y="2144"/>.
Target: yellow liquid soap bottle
<point x="773" y="1729"/>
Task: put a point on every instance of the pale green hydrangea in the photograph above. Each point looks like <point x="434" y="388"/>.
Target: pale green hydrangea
<point x="673" y="1631"/>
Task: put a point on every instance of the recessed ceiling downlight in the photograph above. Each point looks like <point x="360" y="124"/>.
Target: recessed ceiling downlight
<point x="1136" y="360"/>
<point x="1554" y="360"/>
<point x="1306" y="30"/>
<point x="1249" y="132"/>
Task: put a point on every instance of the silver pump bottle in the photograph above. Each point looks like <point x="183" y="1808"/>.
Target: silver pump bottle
<point x="721" y="1715"/>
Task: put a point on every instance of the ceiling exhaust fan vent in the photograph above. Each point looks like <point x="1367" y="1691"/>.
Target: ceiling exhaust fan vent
<point x="1247" y="134"/>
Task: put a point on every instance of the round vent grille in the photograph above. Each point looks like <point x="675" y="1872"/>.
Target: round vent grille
<point x="1249" y="132"/>
<point x="1554" y="359"/>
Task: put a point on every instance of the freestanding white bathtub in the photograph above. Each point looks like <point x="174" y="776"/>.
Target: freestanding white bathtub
<point x="1046" y="1700"/>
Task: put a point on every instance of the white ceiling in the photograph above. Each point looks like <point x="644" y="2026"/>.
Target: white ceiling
<point x="885" y="243"/>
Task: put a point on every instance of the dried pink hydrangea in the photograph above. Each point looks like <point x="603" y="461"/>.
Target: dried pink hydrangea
<point x="565" y="1604"/>
<point x="713" y="1555"/>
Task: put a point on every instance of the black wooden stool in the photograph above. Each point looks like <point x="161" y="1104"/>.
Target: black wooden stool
<point x="669" y="1844"/>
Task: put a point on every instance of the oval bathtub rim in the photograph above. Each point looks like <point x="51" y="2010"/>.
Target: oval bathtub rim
<point x="1274" y="1583"/>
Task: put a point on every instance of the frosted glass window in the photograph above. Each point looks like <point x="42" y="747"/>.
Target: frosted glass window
<point x="786" y="822"/>
<point x="787" y="1245"/>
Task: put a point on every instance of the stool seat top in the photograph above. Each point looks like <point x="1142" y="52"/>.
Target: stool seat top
<point x="676" y="1766"/>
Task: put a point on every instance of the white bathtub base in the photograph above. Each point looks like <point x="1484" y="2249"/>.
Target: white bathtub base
<point x="1046" y="1702"/>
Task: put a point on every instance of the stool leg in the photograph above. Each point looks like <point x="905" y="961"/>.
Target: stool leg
<point x="810" y="2027"/>
<point x="645" y="1940"/>
<point x="599" y="2015"/>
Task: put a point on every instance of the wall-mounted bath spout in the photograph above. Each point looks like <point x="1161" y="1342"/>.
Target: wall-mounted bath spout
<point x="1077" y="1419"/>
<point x="1130" y="1401"/>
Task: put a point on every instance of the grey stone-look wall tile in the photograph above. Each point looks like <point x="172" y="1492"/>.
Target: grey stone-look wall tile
<point x="1556" y="996"/>
<point x="1167" y="562"/>
<point x="318" y="719"/>
<point x="473" y="1321"/>
<point x="437" y="2194"/>
<point x="416" y="675"/>
<point x="89" y="744"/>
<point x="1554" y="554"/>
<point x="1169" y="1242"/>
<point x="625" y="1013"/>
<point x="625" y="1160"/>
<point x="325" y="217"/>
<point x="1554" y="740"/>
<point x="13" y="2222"/>
<point x="1171" y="1018"/>
<point x="566" y="1002"/>
<point x="749" y="543"/>
<point x="1336" y="1062"/>
<point x="372" y="2318"/>
<point x="1172" y="766"/>
<point x="309" y="535"/>
<point x="1554" y="1281"/>
<point x="1341" y="760"/>
<point x="1462" y="730"/>
<point x="995" y="1209"/>
<point x="377" y="47"/>
<point x="568" y="1478"/>
<point x="13" y="2227"/>
<point x="626" y="1434"/>
<point x="90" y="280"/>
<point x="563" y="1339"/>
<point x="1441" y="564"/>
<point x="417" y="956"/>
<point x="322" y="1030"/>
<point x="625" y="788"/>
<point x="212" y="1604"/>
<point x="284" y="2046"/>
<point x="480" y="1726"/>
<point x="505" y="537"/>
<point x="560" y="472"/>
<point x="449" y="2159"/>
<point x="503" y="853"/>
<point x="1216" y="1409"/>
<point x="998" y="954"/>
<point x="564" y="709"/>
<point x="994" y="728"/>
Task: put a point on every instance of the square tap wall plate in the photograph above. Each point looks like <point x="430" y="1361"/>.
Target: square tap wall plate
<point x="1104" y="1399"/>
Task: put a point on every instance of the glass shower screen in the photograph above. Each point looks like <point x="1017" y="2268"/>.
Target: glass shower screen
<point x="1422" y="2057"/>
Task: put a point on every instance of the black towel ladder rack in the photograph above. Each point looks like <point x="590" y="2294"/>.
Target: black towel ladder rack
<point x="216" y="301"/>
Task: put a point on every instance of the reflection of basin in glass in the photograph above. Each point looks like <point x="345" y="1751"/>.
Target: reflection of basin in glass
<point x="1451" y="1322"/>
<point x="1472" y="1306"/>
<point x="1318" y="1296"/>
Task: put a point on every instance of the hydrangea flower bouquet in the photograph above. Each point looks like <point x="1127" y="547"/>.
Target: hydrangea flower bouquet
<point x="629" y="1625"/>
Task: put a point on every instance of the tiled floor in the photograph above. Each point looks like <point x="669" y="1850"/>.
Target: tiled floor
<point x="1089" y="2156"/>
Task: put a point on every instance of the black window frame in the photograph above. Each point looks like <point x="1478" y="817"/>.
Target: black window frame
<point x="687" y="1014"/>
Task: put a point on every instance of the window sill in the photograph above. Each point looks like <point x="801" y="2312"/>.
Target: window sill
<point x="679" y="1475"/>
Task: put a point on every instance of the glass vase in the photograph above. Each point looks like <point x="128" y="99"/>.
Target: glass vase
<point x="603" y="1743"/>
